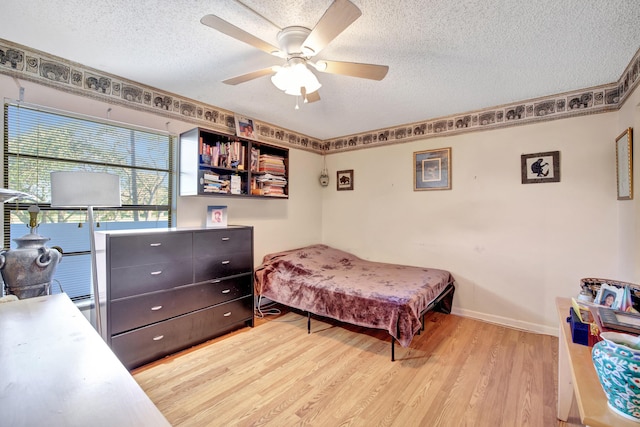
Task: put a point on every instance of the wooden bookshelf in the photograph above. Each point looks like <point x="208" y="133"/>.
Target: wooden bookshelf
<point x="216" y="164"/>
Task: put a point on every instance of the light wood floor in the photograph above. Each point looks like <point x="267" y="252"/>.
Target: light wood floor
<point x="458" y="372"/>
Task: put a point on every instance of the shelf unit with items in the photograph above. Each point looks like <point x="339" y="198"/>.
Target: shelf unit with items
<point x="215" y="164"/>
<point x="268" y="167"/>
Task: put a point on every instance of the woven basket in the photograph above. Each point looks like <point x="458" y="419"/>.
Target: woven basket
<point x="593" y="285"/>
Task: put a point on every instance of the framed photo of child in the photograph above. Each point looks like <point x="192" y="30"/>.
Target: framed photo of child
<point x="216" y="216"/>
<point x="610" y="296"/>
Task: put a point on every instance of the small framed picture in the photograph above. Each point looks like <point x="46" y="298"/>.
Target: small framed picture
<point x="540" y="167"/>
<point x="624" y="164"/>
<point x="432" y="169"/>
<point x="216" y="216"/>
<point x="609" y="296"/>
<point x="344" y="180"/>
<point x="245" y="128"/>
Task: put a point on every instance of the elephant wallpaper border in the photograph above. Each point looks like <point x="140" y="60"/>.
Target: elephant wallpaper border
<point x="29" y="64"/>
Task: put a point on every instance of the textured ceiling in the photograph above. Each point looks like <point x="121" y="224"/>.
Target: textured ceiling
<point x="444" y="56"/>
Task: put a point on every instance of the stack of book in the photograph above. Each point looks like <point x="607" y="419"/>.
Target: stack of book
<point x="272" y="185"/>
<point x="213" y="183"/>
<point x="271" y="164"/>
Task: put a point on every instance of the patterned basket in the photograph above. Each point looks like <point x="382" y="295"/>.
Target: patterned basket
<point x="593" y="285"/>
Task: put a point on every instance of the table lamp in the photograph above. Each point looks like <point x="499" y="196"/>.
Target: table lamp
<point x="80" y="189"/>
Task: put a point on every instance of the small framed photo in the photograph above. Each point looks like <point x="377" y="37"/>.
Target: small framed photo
<point x="245" y="128"/>
<point x="432" y="169"/>
<point x="610" y="296"/>
<point x="540" y="167"/>
<point x="624" y="164"/>
<point x="216" y="216"/>
<point x="344" y="180"/>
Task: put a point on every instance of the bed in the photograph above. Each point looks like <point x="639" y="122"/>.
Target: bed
<point x="332" y="283"/>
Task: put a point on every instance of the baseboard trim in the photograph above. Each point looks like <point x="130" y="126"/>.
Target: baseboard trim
<point x="505" y="321"/>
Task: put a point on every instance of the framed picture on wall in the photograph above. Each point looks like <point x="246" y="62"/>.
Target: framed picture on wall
<point x="432" y="169"/>
<point x="540" y="167"/>
<point x="624" y="164"/>
<point x="344" y="180"/>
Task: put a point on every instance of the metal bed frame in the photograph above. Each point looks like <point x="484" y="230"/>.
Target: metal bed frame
<point x="442" y="303"/>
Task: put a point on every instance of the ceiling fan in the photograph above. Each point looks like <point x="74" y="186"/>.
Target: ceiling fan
<point x="297" y="45"/>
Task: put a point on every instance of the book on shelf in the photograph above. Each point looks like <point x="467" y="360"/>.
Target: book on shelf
<point x="211" y="176"/>
<point x="235" y="184"/>
<point x="255" y="154"/>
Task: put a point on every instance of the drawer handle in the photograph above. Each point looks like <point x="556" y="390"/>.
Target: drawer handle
<point x="224" y="239"/>
<point x="227" y="314"/>
<point x="154" y="245"/>
<point x="225" y="262"/>
<point x="158" y="338"/>
<point x="226" y="291"/>
<point x="156" y="308"/>
<point x="155" y="273"/>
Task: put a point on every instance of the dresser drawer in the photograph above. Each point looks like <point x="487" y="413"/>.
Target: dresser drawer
<point x="222" y="265"/>
<point x="146" y="344"/>
<point x="152" y="248"/>
<point x="223" y="241"/>
<point x="130" y="313"/>
<point x="129" y="281"/>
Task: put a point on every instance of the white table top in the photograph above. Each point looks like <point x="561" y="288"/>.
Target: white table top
<point x="55" y="370"/>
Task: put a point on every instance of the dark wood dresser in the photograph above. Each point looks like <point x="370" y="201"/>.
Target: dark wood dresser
<point x="166" y="290"/>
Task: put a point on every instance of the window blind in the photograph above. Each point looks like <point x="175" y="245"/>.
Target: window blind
<point x="38" y="141"/>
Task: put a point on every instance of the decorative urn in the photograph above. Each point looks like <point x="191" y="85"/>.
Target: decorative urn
<point x="27" y="271"/>
<point x="617" y="362"/>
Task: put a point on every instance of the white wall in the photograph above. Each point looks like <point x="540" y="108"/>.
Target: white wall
<point x="278" y="223"/>
<point x="511" y="247"/>
<point x="629" y="215"/>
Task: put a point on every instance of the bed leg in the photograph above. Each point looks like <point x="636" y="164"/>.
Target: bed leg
<point x="308" y="322"/>
<point x="393" y="349"/>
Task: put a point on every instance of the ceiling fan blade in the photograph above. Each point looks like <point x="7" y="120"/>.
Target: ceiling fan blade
<point x="249" y="76"/>
<point x="309" y="97"/>
<point x="335" y="20"/>
<point x="239" y="34"/>
<point x="354" y="69"/>
<point x="313" y="96"/>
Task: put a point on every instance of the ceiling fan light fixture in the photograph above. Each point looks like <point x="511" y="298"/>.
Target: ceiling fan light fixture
<point x="292" y="77"/>
<point x="282" y="77"/>
<point x="320" y="65"/>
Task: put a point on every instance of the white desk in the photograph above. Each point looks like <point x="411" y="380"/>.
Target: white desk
<point x="55" y="370"/>
<point x="577" y="376"/>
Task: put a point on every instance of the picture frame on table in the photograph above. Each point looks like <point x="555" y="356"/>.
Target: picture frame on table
<point x="344" y="180"/>
<point x="216" y="216"/>
<point x="609" y="296"/>
<point x="432" y="169"/>
<point x="540" y="167"/>
<point x="624" y="164"/>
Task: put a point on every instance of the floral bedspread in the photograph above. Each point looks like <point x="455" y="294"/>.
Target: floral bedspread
<point x="336" y="284"/>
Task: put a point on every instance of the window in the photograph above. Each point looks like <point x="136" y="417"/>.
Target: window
<point x="38" y="141"/>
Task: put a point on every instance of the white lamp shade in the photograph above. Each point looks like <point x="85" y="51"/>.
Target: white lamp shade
<point x="82" y="189"/>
